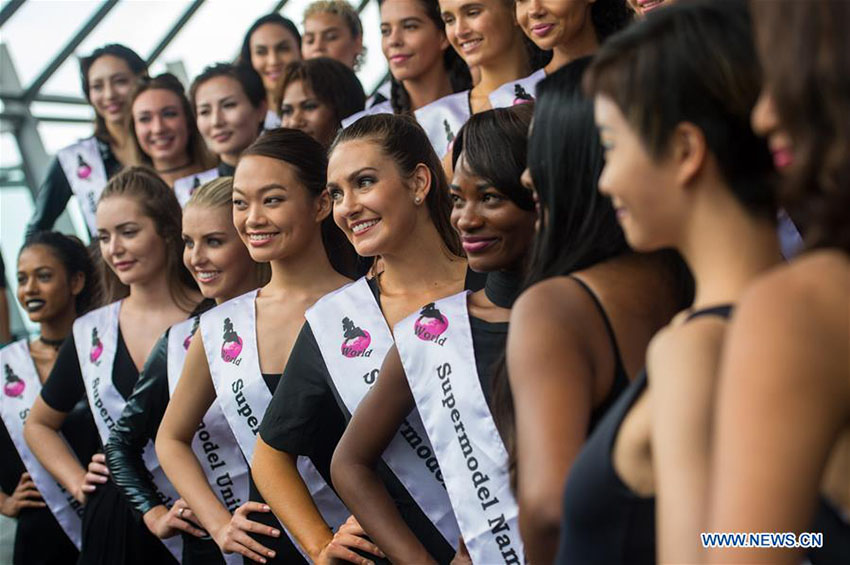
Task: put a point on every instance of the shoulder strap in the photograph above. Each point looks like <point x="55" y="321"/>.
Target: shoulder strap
<point x="722" y="311"/>
<point x="609" y="329"/>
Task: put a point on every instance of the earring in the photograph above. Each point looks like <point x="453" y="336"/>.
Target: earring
<point x="417" y="200"/>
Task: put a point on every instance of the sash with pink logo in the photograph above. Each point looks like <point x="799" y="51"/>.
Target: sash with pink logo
<point x="21" y="386"/>
<point x="441" y="120"/>
<point x="83" y="167"/>
<point x="436" y="349"/>
<point x="230" y="340"/>
<point x="516" y="91"/>
<point x="96" y="340"/>
<point x="214" y="445"/>
<point x="185" y="187"/>
<point x="354" y="339"/>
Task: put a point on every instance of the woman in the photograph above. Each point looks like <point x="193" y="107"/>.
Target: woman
<point x="83" y="169"/>
<point x="705" y="191"/>
<point x="149" y="290"/>
<point x="317" y="95"/>
<point x="223" y="269"/>
<point x="280" y="211"/>
<point x="494" y="216"/>
<point x="783" y="401"/>
<point x="390" y="200"/>
<point x="332" y="29"/>
<point x="486" y="36"/>
<point x="56" y="283"/>
<point x="270" y="44"/>
<point x="229" y="103"/>
<point x="571" y="29"/>
<point x="164" y="134"/>
<point x="643" y="7"/>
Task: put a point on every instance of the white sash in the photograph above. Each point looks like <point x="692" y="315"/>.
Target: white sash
<point x="185" y="187"/>
<point x="96" y="340"/>
<point x="384" y="90"/>
<point x="436" y="350"/>
<point x="354" y="339"/>
<point x="230" y="340"/>
<point x="272" y="121"/>
<point x="516" y="91"/>
<point x="442" y="119"/>
<point x="214" y="445"/>
<point x="21" y="387"/>
<point x="385" y="107"/>
<point x="83" y="167"/>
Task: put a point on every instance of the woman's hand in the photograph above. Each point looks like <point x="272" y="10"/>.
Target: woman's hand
<point x="233" y="537"/>
<point x="97" y="474"/>
<point x="165" y="523"/>
<point x="25" y="496"/>
<point x="349" y="535"/>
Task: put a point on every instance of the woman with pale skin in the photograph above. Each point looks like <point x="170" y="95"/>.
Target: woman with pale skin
<point x="164" y="134"/>
<point x="332" y="29"/>
<point x="269" y="45"/>
<point x="108" y="76"/>
<point x="56" y="283"/>
<point x="279" y="209"/>
<point x="390" y="200"/>
<point x="705" y="191"/>
<point x="317" y="95"/>
<point x="223" y="269"/>
<point x="139" y="235"/>
<point x="230" y="107"/>
<point x="784" y="401"/>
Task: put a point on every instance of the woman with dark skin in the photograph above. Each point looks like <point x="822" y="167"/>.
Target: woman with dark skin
<point x="390" y="200"/>
<point x="697" y="180"/>
<point x="139" y="235"/>
<point x="107" y="76"/>
<point x="56" y="283"/>
<point x="223" y="269"/>
<point x="494" y="217"/>
<point x="784" y="399"/>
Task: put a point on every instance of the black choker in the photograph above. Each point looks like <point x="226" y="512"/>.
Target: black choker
<point x="173" y="169"/>
<point x="54" y="343"/>
<point x="502" y="287"/>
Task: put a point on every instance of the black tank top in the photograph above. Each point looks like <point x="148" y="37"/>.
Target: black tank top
<point x="604" y="521"/>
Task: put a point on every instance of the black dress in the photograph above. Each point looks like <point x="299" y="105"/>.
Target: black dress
<point x="39" y="539"/>
<point x="305" y="417"/>
<point x="137" y="426"/>
<point x="113" y="531"/>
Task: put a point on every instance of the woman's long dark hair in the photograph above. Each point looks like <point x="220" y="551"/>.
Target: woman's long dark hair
<point x="273" y="18"/>
<point x="308" y="158"/>
<point x="456" y="68"/>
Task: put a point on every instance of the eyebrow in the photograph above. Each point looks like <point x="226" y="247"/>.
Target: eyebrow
<point x="353" y="175"/>
<point x="262" y="189"/>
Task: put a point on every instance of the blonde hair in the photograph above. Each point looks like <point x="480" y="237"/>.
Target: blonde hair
<point x="349" y="16"/>
<point x="219" y="193"/>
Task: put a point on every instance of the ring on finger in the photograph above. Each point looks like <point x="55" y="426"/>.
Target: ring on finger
<point x="180" y="512"/>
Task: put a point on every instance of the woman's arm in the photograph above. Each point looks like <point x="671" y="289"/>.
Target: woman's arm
<point x="784" y="397"/>
<point x="682" y="365"/>
<point x="376" y="421"/>
<point x="551" y="373"/>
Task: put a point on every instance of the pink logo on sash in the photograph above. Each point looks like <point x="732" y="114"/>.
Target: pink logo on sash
<point x="232" y="345"/>
<point x="356" y="341"/>
<point x="521" y="96"/>
<point x="188" y="341"/>
<point x="96" y="347"/>
<point x="13" y="386"/>
<point x="83" y="168"/>
<point x="431" y="324"/>
<point x="196" y="183"/>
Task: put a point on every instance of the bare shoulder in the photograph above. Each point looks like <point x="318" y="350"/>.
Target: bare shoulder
<point x="557" y="301"/>
<point x="689" y="349"/>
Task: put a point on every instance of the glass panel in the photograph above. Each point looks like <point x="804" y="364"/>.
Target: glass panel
<point x="9" y="154"/>
<point x="375" y="67"/>
<point x="56" y="135"/>
<point x="39" y="30"/>
<point x="58" y="110"/>
<point x="16" y="208"/>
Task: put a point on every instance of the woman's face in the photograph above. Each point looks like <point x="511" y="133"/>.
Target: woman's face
<point x="643" y="7"/>
<point x="161" y="127"/>
<point x="274" y="213"/>
<point x="373" y="204"/>
<point x="129" y="242"/>
<point x="110" y="83"/>
<point x="214" y="253"/>
<point x="765" y="122"/>
<point x="301" y="110"/>
<point x="480" y="31"/>
<point x="272" y="47"/>
<point x="494" y="231"/>
<point x="642" y="189"/>
<point x="45" y="289"/>
<point x="411" y="42"/>
<point x="549" y="23"/>
<point x="226" y="118"/>
<point x="327" y="35"/>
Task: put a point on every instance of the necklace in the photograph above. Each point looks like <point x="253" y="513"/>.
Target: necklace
<point x="54" y="343"/>
<point x="171" y="170"/>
